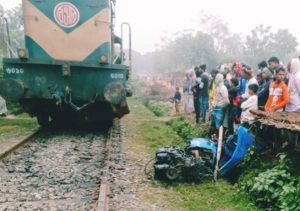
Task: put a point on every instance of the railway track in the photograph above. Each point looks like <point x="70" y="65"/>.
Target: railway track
<point x="59" y="171"/>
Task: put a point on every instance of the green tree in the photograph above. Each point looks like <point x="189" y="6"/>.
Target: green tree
<point x="284" y="44"/>
<point x="257" y="46"/>
<point x="16" y="27"/>
<point x="216" y="28"/>
<point x="2" y="34"/>
<point x="262" y="43"/>
<point x="16" y="30"/>
<point x="213" y="44"/>
<point x="183" y="52"/>
<point x="233" y="49"/>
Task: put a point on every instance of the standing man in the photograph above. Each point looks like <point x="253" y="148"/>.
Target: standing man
<point x="278" y="92"/>
<point x="247" y="74"/>
<point x="273" y="63"/>
<point x="294" y="85"/>
<point x="204" y="92"/>
<point x="177" y="99"/>
<point x="261" y="65"/>
<point x="263" y="93"/>
<point x="196" y="90"/>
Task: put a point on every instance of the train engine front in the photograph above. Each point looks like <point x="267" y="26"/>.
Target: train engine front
<point x="69" y="70"/>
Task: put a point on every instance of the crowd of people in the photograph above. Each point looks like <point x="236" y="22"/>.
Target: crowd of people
<point x="229" y="92"/>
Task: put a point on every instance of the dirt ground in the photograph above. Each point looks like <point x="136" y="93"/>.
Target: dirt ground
<point x="132" y="188"/>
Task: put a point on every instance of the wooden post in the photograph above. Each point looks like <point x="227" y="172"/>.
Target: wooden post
<point x="219" y="149"/>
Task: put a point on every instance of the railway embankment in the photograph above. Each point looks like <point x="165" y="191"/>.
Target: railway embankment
<point x="134" y="190"/>
<point x="142" y="134"/>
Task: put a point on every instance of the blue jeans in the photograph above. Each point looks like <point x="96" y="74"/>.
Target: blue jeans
<point x="203" y="105"/>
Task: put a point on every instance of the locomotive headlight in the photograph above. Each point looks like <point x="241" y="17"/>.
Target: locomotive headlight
<point x="103" y="58"/>
<point x="22" y="53"/>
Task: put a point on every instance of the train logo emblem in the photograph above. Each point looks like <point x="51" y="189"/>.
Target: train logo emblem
<point x="66" y="14"/>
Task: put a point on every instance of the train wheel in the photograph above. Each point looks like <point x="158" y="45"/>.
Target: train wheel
<point x="43" y="119"/>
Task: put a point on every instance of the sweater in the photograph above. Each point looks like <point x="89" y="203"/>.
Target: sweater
<point x="278" y="96"/>
<point x="246" y="106"/>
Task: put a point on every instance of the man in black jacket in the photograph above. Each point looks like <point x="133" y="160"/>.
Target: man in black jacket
<point x="263" y="94"/>
<point x="204" y="92"/>
<point x="196" y="89"/>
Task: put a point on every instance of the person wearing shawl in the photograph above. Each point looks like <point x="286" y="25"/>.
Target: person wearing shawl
<point x="221" y="101"/>
<point x="294" y="85"/>
<point x="248" y="75"/>
<point x="188" y="95"/>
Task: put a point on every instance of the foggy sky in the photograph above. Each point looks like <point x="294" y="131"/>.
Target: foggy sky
<point x="152" y="19"/>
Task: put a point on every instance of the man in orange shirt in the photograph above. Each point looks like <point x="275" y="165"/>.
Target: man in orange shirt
<point x="278" y="92"/>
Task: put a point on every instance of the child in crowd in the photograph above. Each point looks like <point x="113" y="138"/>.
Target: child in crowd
<point x="234" y="106"/>
<point x="177" y="99"/>
<point x="278" y="92"/>
<point x="249" y="104"/>
<point x="248" y="75"/>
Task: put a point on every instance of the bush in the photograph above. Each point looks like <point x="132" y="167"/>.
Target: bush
<point x="275" y="188"/>
<point x="14" y="108"/>
<point x="186" y="131"/>
<point x="251" y="160"/>
<point x="158" y="108"/>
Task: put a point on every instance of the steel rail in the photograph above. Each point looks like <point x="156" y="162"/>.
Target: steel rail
<point x="103" y="199"/>
<point x="18" y="145"/>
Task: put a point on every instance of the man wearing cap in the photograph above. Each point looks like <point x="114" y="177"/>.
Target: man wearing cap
<point x="263" y="94"/>
<point x="247" y="74"/>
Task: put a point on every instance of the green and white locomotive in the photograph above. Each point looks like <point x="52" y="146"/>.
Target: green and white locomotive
<point x="69" y="70"/>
